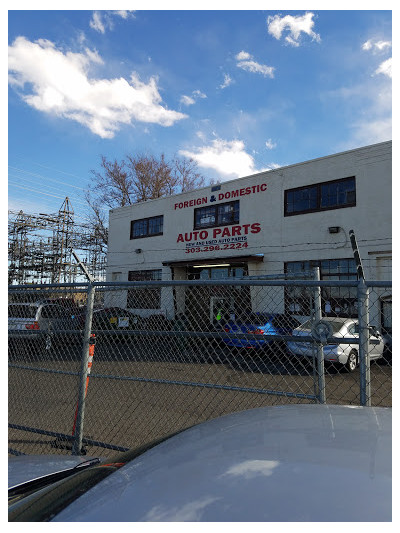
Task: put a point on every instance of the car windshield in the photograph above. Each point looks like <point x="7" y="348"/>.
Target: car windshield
<point x="336" y="325"/>
<point x="22" y="311"/>
<point x="285" y="321"/>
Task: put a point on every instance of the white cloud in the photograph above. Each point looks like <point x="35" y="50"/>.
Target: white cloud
<point x="294" y="25"/>
<point x="228" y="158"/>
<point x="199" y="94"/>
<point x="371" y="131"/>
<point x="187" y="100"/>
<point x="190" y="100"/>
<point x="385" y="68"/>
<point x="58" y="84"/>
<point x="245" y="62"/>
<point x="242" y="56"/>
<point x="227" y="81"/>
<point x="102" y="20"/>
<point x="371" y="121"/>
<point x="376" y="46"/>
<point x="367" y="45"/>
<point x="269" y="144"/>
<point x="96" y="22"/>
<point x="123" y="13"/>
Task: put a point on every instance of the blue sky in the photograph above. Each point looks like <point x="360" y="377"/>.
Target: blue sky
<point x="237" y="91"/>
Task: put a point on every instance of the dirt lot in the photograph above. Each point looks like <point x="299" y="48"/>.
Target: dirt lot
<point x="134" y="398"/>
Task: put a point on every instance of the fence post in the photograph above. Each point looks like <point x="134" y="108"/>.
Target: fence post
<point x="363" y="348"/>
<point x="319" y="347"/>
<point x="78" y="435"/>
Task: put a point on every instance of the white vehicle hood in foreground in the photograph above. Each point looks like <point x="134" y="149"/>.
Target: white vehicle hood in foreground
<point x="289" y="463"/>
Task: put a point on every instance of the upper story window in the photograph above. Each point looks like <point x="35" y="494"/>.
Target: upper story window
<point x="147" y="227"/>
<point x="321" y="197"/>
<point x="216" y="215"/>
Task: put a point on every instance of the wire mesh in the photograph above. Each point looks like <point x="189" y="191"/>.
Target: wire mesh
<point x="169" y="355"/>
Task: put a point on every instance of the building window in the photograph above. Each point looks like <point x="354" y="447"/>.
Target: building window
<point x="336" y="301"/>
<point x="216" y="215"/>
<point x="147" y="227"/>
<point x="206" y="273"/>
<point x="321" y="197"/>
<point x="144" y="297"/>
<point x="386" y="314"/>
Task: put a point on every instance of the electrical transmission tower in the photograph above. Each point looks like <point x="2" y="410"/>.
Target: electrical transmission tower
<point x="40" y="247"/>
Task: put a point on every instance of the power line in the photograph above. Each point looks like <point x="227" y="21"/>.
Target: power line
<point x="48" y="188"/>
<point x="48" y="168"/>
<point x="45" y="177"/>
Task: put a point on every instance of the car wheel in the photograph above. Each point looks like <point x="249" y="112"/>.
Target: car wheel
<point x="351" y="364"/>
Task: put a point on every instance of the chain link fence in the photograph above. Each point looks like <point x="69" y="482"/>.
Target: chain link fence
<point x="95" y="368"/>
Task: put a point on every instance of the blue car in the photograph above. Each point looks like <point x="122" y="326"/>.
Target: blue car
<point x="258" y="324"/>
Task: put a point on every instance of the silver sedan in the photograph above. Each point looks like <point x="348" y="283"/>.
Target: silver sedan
<point x="342" y="353"/>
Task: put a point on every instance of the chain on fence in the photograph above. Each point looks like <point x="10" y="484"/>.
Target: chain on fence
<point x="105" y="367"/>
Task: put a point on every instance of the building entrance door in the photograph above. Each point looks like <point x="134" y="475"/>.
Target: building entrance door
<point x="208" y="305"/>
<point x="221" y="309"/>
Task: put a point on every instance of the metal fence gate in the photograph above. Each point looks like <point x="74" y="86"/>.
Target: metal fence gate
<point x="100" y="367"/>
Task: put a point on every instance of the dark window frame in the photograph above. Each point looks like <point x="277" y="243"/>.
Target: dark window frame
<point x="147" y="222"/>
<point x="215" y="208"/>
<point x="319" y="207"/>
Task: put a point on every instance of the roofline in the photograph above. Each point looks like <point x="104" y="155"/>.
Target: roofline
<point x="256" y="174"/>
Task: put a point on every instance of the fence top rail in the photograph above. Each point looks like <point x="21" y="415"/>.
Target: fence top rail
<point x="53" y="286"/>
<point x="115" y="285"/>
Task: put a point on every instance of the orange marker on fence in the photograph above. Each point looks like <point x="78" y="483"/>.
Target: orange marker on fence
<point x="92" y="343"/>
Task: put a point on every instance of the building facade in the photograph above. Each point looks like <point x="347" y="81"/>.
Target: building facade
<point x="276" y="223"/>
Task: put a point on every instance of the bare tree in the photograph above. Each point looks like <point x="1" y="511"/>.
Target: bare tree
<point x="150" y="177"/>
<point x="97" y="220"/>
<point x="143" y="177"/>
<point x="113" y="186"/>
<point x="185" y="176"/>
<point x="137" y="179"/>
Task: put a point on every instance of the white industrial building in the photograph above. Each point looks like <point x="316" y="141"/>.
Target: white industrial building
<point x="281" y="221"/>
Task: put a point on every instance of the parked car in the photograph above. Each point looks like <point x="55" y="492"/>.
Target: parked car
<point x="345" y="354"/>
<point x="258" y="324"/>
<point x="109" y="318"/>
<point x="293" y="463"/>
<point x="108" y="321"/>
<point x="35" y="321"/>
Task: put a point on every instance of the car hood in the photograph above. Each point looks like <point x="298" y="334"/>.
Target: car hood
<point x="289" y="463"/>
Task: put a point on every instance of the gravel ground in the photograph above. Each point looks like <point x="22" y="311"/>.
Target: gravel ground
<point x="133" y="399"/>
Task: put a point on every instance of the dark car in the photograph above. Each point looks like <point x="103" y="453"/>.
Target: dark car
<point x="109" y="318"/>
<point x="107" y="321"/>
<point x="114" y="318"/>
<point x="259" y="324"/>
